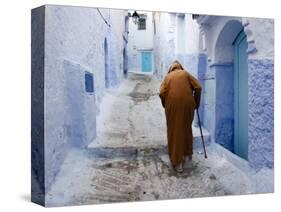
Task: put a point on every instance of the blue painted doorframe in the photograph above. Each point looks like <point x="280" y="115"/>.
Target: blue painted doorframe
<point x="241" y="96"/>
<point x="146" y="61"/>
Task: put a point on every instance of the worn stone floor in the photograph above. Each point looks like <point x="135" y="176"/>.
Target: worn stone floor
<point x="145" y="175"/>
<point x="128" y="160"/>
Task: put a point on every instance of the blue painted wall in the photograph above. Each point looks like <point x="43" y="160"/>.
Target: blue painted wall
<point x="217" y="109"/>
<point x="37" y="106"/>
<point x="209" y="100"/>
<point x="190" y="62"/>
<point x="224" y="127"/>
<point x="79" y="105"/>
<point x="196" y="64"/>
<point x="261" y="109"/>
<point x="114" y="55"/>
<point x="201" y="74"/>
<point x="261" y="112"/>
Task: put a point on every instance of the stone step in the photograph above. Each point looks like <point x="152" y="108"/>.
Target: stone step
<point x="134" y="151"/>
<point x="120" y="138"/>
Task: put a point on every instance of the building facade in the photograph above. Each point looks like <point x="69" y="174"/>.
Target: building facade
<point x="85" y="52"/>
<point x="238" y="85"/>
<point x="140" y="43"/>
<point x="79" y="53"/>
<point x="176" y="36"/>
<point x="233" y="58"/>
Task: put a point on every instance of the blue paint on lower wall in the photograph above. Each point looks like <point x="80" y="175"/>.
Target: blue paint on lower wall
<point x="78" y="123"/>
<point x="261" y="113"/>
<point x="261" y="110"/>
<point x="202" y="68"/>
<point x="196" y="64"/>
<point x="224" y="121"/>
<point x="74" y="89"/>
<point x="216" y="110"/>
<point x="189" y="62"/>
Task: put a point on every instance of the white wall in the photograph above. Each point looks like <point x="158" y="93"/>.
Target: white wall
<point x="260" y="32"/>
<point x="177" y="37"/>
<point x="164" y="41"/>
<point x="139" y="39"/>
<point x="74" y="43"/>
<point x="212" y="30"/>
<point x="263" y="37"/>
<point x="192" y="33"/>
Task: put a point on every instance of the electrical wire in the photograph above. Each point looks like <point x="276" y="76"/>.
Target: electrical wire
<point x="103" y="18"/>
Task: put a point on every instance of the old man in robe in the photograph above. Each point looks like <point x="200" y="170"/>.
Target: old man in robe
<point x="180" y="95"/>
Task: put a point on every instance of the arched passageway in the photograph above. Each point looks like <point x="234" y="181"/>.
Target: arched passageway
<point x="231" y="72"/>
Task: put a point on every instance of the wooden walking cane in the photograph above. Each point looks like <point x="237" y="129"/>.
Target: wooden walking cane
<point x="199" y="122"/>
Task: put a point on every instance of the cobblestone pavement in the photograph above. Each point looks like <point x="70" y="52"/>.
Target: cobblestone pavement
<point x="128" y="161"/>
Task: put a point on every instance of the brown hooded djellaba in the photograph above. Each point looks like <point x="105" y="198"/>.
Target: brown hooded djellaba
<point x="180" y="95"/>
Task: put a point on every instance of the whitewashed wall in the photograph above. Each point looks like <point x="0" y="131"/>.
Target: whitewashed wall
<point x="138" y="40"/>
<point x="74" y="44"/>
<point x="176" y="38"/>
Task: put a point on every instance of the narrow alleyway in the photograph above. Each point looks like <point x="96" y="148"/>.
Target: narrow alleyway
<point x="128" y="160"/>
<point x="132" y="116"/>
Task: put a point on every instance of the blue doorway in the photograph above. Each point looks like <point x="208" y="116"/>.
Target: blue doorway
<point x="241" y="96"/>
<point x="106" y="65"/>
<point x="125" y="62"/>
<point x="146" y="61"/>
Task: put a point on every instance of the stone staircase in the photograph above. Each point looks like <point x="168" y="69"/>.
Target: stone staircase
<point x="96" y="149"/>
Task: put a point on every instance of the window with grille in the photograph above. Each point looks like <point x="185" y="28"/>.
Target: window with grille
<point x="89" y="82"/>
<point x="142" y="23"/>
